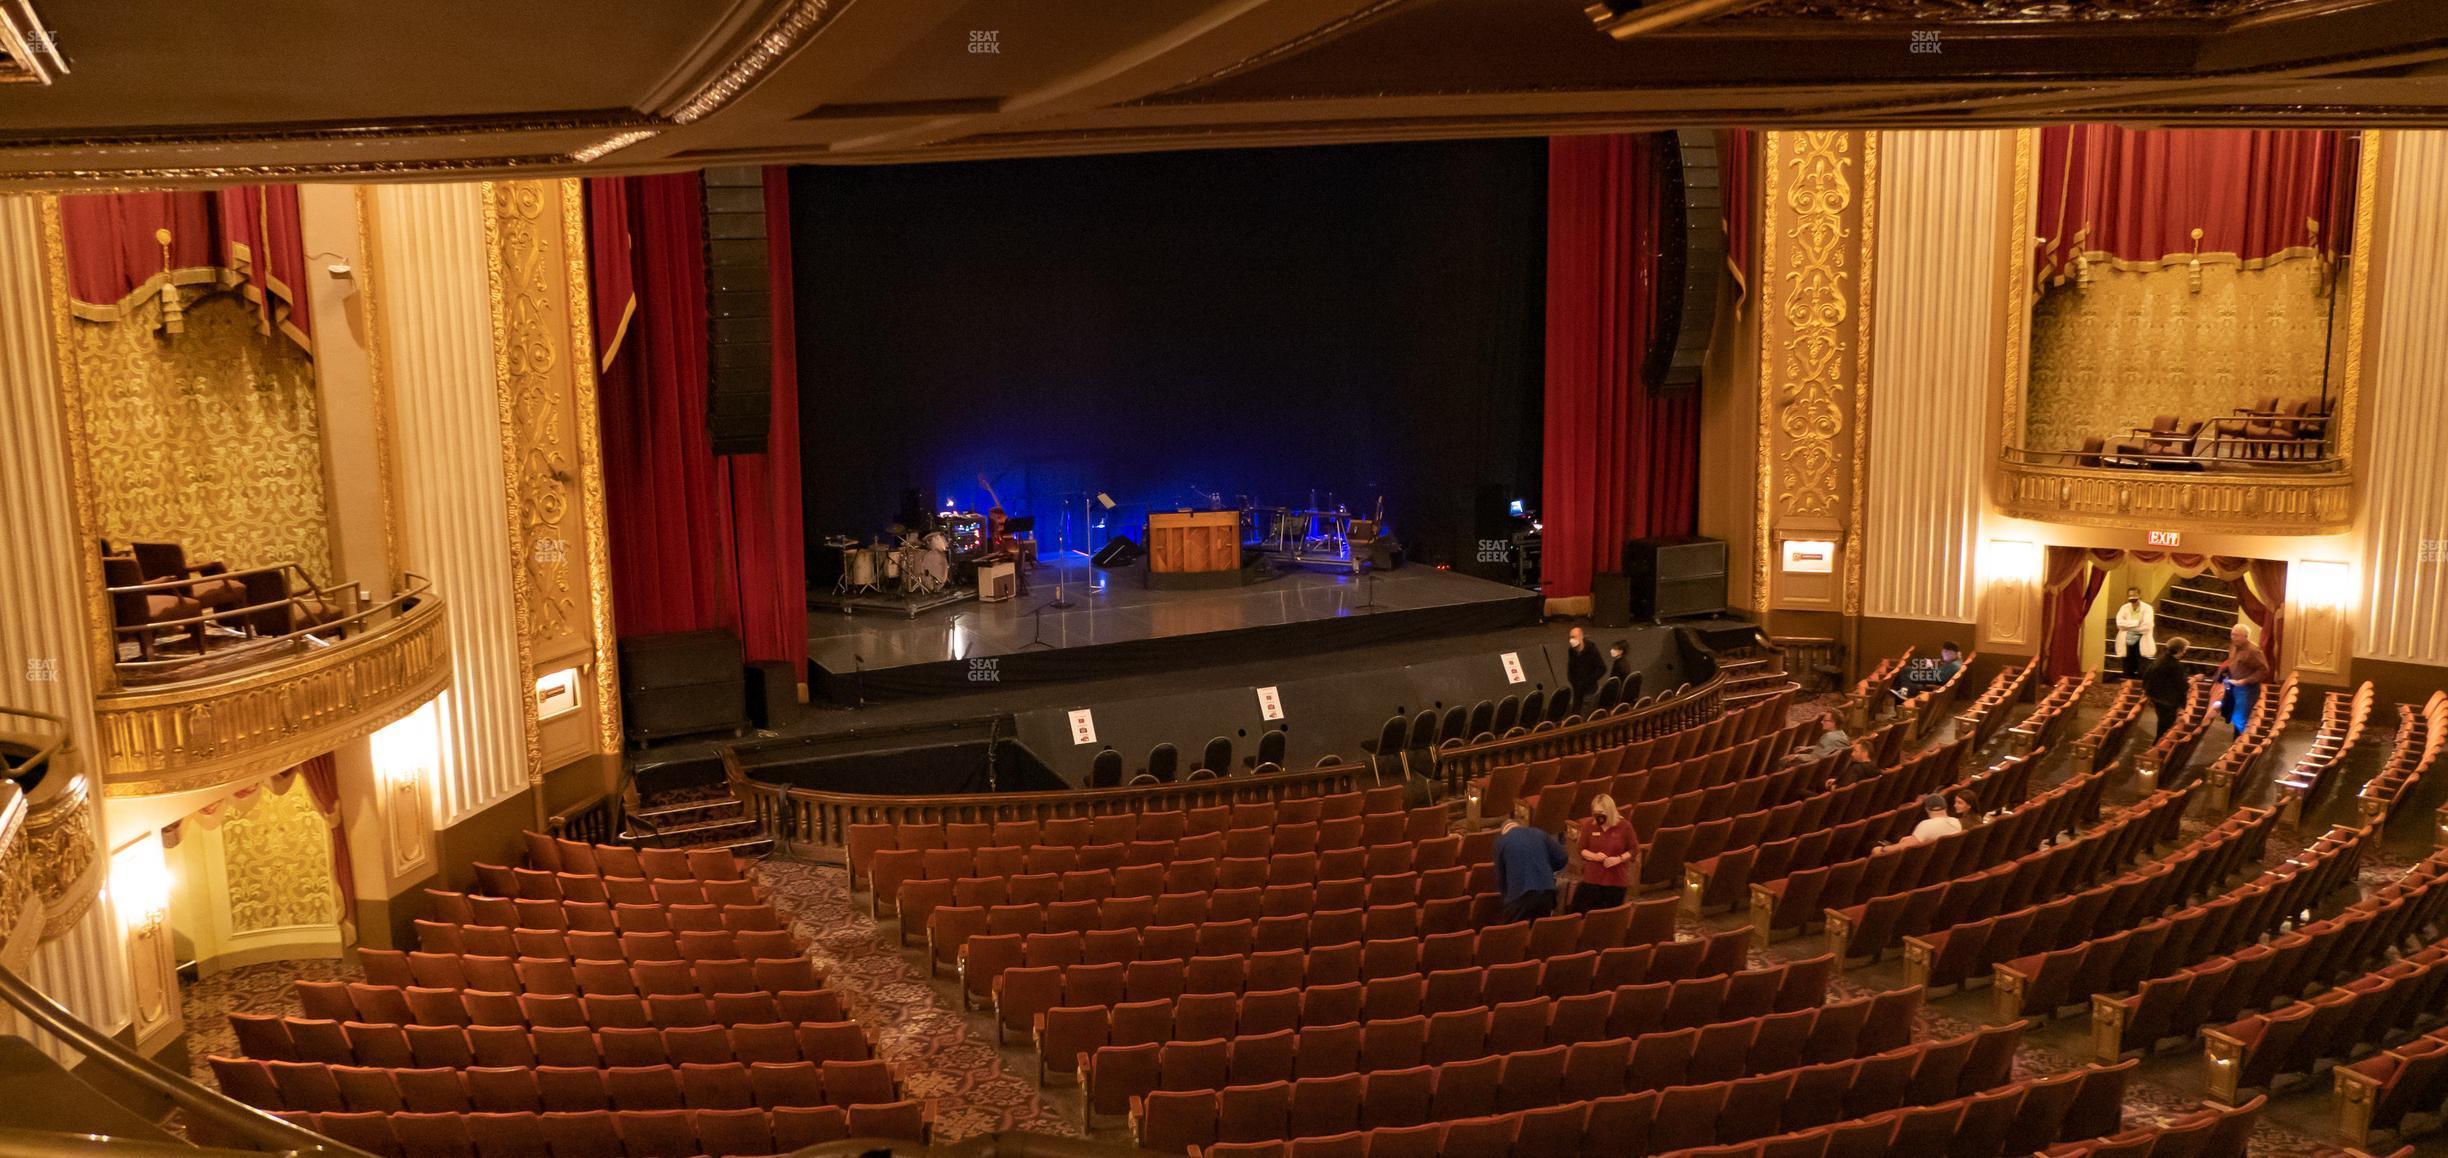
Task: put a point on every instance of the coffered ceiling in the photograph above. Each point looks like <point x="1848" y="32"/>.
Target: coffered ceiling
<point x="148" y="92"/>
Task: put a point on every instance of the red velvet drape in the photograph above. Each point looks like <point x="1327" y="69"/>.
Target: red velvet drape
<point x="1734" y="148"/>
<point x="1621" y="462"/>
<point x="247" y="238"/>
<point x="696" y="541"/>
<point x="322" y="777"/>
<point x="2260" y="586"/>
<point x="2071" y="584"/>
<point x="2137" y="194"/>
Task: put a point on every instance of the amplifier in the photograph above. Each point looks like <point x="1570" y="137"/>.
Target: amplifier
<point x="1675" y="577"/>
<point x="682" y="683"/>
<point x="996" y="582"/>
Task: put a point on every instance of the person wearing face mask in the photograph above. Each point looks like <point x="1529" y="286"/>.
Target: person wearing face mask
<point x="2136" y="633"/>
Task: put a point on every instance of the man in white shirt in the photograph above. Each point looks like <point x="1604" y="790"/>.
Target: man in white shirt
<point x="2137" y="633"/>
<point x="1935" y="821"/>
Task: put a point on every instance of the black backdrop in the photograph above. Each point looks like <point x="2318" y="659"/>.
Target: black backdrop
<point x="1358" y="320"/>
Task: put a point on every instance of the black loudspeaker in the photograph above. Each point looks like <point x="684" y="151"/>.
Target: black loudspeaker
<point x="1692" y="261"/>
<point x="685" y="682"/>
<point x="739" y="311"/>
<point x="1610" y="599"/>
<point x="773" y="695"/>
<point x="1675" y="577"/>
<point x="1118" y="551"/>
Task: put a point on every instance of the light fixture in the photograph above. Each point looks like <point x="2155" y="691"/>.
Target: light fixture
<point x="140" y="881"/>
<point x="2323" y="583"/>
<point x="2014" y="561"/>
<point x="405" y="748"/>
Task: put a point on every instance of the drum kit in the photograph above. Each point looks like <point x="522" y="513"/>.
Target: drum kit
<point x="917" y="566"/>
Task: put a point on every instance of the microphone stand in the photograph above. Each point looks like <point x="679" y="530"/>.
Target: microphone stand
<point x="859" y="693"/>
<point x="1370" y="578"/>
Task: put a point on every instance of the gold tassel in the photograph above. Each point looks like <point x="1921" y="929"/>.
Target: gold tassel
<point x="174" y="313"/>
<point x="2193" y="268"/>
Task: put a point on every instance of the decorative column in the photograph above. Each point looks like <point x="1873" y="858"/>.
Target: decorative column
<point x="47" y="658"/>
<point x="2404" y="589"/>
<point x="1933" y="365"/>
<point x="1818" y="218"/>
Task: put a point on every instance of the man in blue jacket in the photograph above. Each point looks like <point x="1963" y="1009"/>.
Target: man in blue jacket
<point x="1527" y="861"/>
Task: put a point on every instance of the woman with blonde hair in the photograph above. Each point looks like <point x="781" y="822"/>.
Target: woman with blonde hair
<point x="1607" y="850"/>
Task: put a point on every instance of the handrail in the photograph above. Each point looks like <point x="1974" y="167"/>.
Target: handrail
<point x="413" y="589"/>
<point x="33" y="766"/>
<point x="2206" y="457"/>
<point x="201" y="1106"/>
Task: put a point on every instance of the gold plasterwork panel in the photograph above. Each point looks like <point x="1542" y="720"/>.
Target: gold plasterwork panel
<point x="1812" y="396"/>
<point x="210" y="438"/>
<point x="532" y="329"/>
<point x="277" y="855"/>
<point x="2108" y="356"/>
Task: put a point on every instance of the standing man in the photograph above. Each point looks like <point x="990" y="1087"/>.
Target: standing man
<point x="1527" y="861"/>
<point x="1583" y="666"/>
<point x="2164" y="684"/>
<point x="2137" y="627"/>
<point x="2245" y="671"/>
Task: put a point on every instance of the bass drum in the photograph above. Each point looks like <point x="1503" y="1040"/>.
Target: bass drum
<point x="929" y="570"/>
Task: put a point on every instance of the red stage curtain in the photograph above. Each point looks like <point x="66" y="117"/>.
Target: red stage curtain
<point x="696" y="541"/>
<point x="2071" y="584"/>
<point x="2137" y="194"/>
<point x="322" y="777"/>
<point x="247" y="238"/>
<point x="1734" y="167"/>
<point x="1621" y="462"/>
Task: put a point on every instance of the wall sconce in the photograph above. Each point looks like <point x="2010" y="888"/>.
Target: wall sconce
<point x="140" y="880"/>
<point x="2011" y="570"/>
<point x="2011" y="561"/>
<point x="2325" y="584"/>
<point x="405" y="748"/>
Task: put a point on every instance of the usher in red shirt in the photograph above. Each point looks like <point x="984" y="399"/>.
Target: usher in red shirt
<point x="1615" y="841"/>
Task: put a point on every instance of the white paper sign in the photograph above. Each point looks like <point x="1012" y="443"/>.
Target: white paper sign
<point x="1083" y="726"/>
<point x="1270" y="704"/>
<point x="1513" y="669"/>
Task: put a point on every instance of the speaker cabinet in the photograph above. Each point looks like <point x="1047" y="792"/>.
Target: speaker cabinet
<point x="1118" y="551"/>
<point x="1692" y="261"/>
<point x="773" y="695"/>
<point x="739" y="311"/>
<point x="682" y="683"/>
<point x="1610" y="599"/>
<point x="1675" y="577"/>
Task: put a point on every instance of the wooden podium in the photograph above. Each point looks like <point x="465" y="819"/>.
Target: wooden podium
<point x="1192" y="549"/>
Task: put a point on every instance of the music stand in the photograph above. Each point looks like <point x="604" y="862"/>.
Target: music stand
<point x="1037" y="628"/>
<point x="1015" y="526"/>
<point x="1369" y="577"/>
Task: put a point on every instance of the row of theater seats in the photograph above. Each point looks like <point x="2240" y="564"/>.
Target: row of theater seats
<point x="1063" y="1033"/>
<point x="2173" y="750"/>
<point x="2040" y="727"/>
<point x="1980" y="722"/>
<point x="424" y="1005"/>
<point x="1968" y="950"/>
<point x="540" y="885"/>
<point x="2343" y="716"/>
<point x="2241" y="760"/>
<point x="2382" y="1093"/>
<point x="2336" y="1023"/>
<point x="2210" y="1132"/>
<point x="1694" y="1121"/>
<point x="594" y="945"/>
<point x="1880" y="923"/>
<point x="1436" y="866"/>
<point x="1648" y="793"/>
<point x="1022" y="994"/>
<point x="1401" y="1072"/>
<point x="1840" y="824"/>
<point x="1803" y="805"/>
<point x="2037" y="985"/>
<point x="2282" y="968"/>
<point x="554" y="854"/>
<point x="1805" y="896"/>
<point x="2421" y="733"/>
<point x="861" y="842"/>
<point x="1676" y="749"/>
<point x="600" y="917"/>
<point x="592" y="978"/>
<point x="273" y="1037"/>
<point x="2105" y="740"/>
<point x="612" y="1134"/>
<point x="320" y="1087"/>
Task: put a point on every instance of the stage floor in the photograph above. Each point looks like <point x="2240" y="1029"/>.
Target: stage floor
<point x="1116" y="626"/>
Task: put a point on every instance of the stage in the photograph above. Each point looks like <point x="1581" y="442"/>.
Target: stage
<point x="1117" y="627"/>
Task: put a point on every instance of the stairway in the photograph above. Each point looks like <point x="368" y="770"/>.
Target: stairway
<point x="689" y="804"/>
<point x="2203" y="609"/>
<point x="1753" y="672"/>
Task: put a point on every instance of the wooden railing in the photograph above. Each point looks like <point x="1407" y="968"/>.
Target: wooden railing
<point x="1687" y="706"/>
<point x="815" y="824"/>
<point x="595" y="820"/>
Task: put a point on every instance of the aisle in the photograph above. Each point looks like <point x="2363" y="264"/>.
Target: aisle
<point x="941" y="1060"/>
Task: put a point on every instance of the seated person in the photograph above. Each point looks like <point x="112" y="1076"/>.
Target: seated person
<point x="1936" y="821"/>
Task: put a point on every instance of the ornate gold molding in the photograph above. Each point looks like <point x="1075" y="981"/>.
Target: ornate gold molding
<point x="525" y="355"/>
<point x="378" y="374"/>
<point x="589" y="437"/>
<point x="1861" y="377"/>
<point x="67" y="868"/>
<point x="207" y="733"/>
<point x="20" y="917"/>
<point x="2239" y="503"/>
<point x="1764" y="485"/>
<point x="2019" y="242"/>
<point x="1810" y="376"/>
<point x="102" y="644"/>
<point x="2358" y="292"/>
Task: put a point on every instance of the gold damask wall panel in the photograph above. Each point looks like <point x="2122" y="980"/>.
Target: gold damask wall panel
<point x="2110" y="356"/>
<point x="277" y="855"/>
<point x="209" y="438"/>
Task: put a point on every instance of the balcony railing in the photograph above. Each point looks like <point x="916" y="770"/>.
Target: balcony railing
<point x="2234" y="498"/>
<point x="340" y="680"/>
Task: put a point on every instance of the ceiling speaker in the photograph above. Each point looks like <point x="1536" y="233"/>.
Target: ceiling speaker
<point x="1691" y="258"/>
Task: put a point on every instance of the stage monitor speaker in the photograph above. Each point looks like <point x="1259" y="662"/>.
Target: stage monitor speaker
<point x="1118" y="551"/>
<point x="1610" y="599"/>
<point x="739" y="311"/>
<point x="773" y="695"/>
<point x="1692" y="260"/>
<point x="1675" y="577"/>
<point x="682" y="683"/>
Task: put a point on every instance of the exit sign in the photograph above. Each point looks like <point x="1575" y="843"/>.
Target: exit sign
<point x="2167" y="538"/>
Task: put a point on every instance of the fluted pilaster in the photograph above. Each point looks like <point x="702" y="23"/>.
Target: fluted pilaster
<point x="436" y="329"/>
<point x="1936" y="326"/>
<point x="2405" y="566"/>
